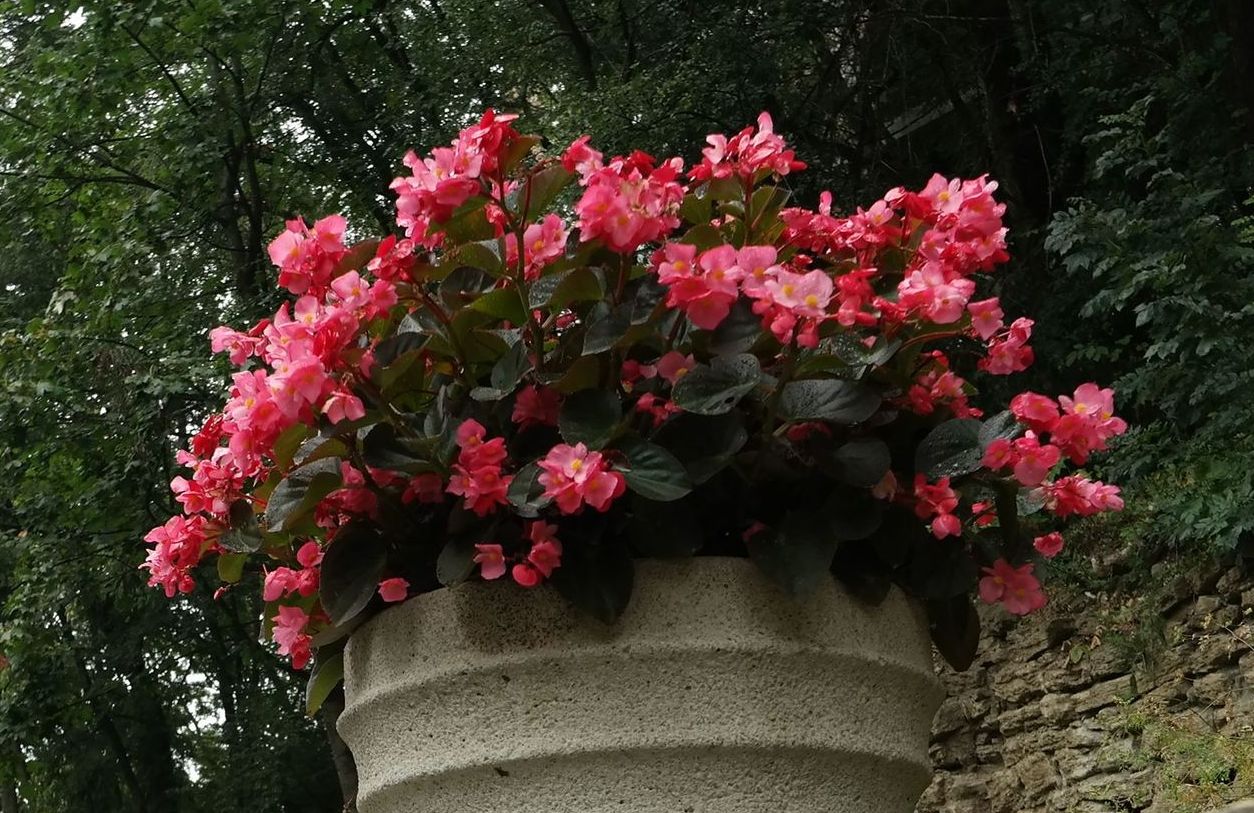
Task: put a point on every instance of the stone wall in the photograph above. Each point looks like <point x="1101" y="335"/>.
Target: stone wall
<point x="1058" y="716"/>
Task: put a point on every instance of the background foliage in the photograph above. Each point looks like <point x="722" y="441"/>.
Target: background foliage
<point x="148" y="149"/>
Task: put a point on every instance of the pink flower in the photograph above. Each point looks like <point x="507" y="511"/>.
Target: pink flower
<point x="1000" y="454"/>
<point x="1034" y="460"/>
<point x="674" y="365"/>
<point x="581" y="158"/>
<point x="1078" y="496"/>
<point x="944" y="525"/>
<point x="342" y="405"/>
<point x="483" y="488"/>
<point x="704" y="287"/>
<point x="1015" y="587"/>
<point x="309" y="555"/>
<point x="986" y="317"/>
<point x="393" y="590"/>
<point x="427" y="487"/>
<point x="1038" y="412"/>
<point x="806" y="295"/>
<point x="526" y="575"/>
<point x="1008" y="353"/>
<point x="545" y="557"/>
<point x="491" y="560"/>
<point x="933" y="499"/>
<point x="746" y="153"/>
<point x="536" y="406"/>
<point x="543" y="243"/>
<point x="573" y="476"/>
<point x="289" y="634"/>
<point x="1049" y="545"/>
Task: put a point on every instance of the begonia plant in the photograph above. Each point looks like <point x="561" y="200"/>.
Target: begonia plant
<point x="570" y="362"/>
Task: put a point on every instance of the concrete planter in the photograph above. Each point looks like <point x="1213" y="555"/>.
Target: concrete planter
<point x="713" y="694"/>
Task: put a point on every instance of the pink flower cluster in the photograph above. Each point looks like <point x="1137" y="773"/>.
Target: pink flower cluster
<point x="477" y="476"/>
<point x="307" y="257"/>
<point x="746" y="154"/>
<point x="543" y="243"/>
<point x="1015" y="587"/>
<point x="938" y="502"/>
<point x="542" y="557"/>
<point x="1075" y="427"/>
<point x="574" y="477"/>
<point x="628" y="202"/>
<point x="450" y="176"/>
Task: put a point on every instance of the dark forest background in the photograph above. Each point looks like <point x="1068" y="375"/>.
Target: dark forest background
<point x="150" y="148"/>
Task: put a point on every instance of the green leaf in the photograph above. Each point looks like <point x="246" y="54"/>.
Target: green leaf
<point x="664" y="529"/>
<point x="590" y="417"/>
<point x="797" y="557"/>
<point x="951" y="449"/>
<point x="1002" y="425"/>
<point x="300" y="492"/>
<point x="539" y="191"/>
<point x="717" y="388"/>
<point x="351" y="570"/>
<point x="654" y="473"/>
<point x="503" y="303"/>
<point x="738" y="332"/>
<point x="704" y="444"/>
<point x="822" y="399"/>
<point x="510" y="368"/>
<point x="524" y="492"/>
<point x="607" y="328"/>
<point x="384" y="449"/>
<point x="482" y="254"/>
<point x="231" y="567"/>
<point x="955" y="628"/>
<point x="580" y="285"/>
<point x="288" y="442"/>
<point x="456" y="560"/>
<point x="862" y="462"/>
<point x="356" y="257"/>
<point x="326" y="675"/>
<point x="243" y="535"/>
<point x="596" y="578"/>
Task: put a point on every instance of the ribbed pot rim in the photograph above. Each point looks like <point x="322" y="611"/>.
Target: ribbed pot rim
<point x="455" y="689"/>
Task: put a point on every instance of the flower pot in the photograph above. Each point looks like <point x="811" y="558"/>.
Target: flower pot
<point x="714" y="693"/>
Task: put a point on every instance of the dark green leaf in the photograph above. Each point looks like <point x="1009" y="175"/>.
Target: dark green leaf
<point x="1002" y="425"/>
<point x="351" y="570"/>
<point x="704" y="444"/>
<point x="654" y="473"/>
<point x="664" y="529"/>
<point x="606" y="329"/>
<point x="717" y="388"/>
<point x="955" y="628"/>
<point x="815" y="399"/>
<point x="590" y="417"/>
<point x="326" y="675"/>
<point x="300" y="492"/>
<point x="524" y="492"/>
<point x="951" y="449"/>
<point x="862" y="462"/>
<point x="456" y="560"/>
<point x="797" y="557"/>
<point x="738" y="332"/>
<point x="596" y="578"/>
<point x="503" y="303"/>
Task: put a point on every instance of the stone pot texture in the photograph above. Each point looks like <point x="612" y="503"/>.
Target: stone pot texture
<point x="714" y="693"/>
